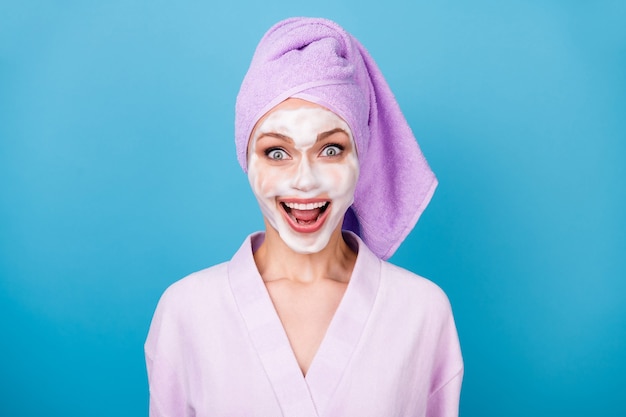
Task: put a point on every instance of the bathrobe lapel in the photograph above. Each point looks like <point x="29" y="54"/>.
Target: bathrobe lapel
<point x="299" y="396"/>
<point x="267" y="334"/>
<point x="345" y="329"/>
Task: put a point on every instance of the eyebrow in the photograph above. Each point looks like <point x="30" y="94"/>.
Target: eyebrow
<point x="324" y="135"/>
<point x="286" y="138"/>
<point x="275" y="135"/>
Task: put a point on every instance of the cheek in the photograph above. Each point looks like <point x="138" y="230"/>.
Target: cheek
<point x="339" y="179"/>
<point x="265" y="181"/>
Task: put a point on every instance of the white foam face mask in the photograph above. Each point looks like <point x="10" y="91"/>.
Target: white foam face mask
<point x="303" y="169"/>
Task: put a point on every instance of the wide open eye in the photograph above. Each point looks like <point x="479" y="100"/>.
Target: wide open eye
<point x="332" y="150"/>
<point x="276" y="154"/>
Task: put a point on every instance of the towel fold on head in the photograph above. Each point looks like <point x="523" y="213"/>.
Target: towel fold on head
<point x="317" y="60"/>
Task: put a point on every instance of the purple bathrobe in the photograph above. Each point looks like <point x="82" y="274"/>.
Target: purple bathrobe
<point x="216" y="347"/>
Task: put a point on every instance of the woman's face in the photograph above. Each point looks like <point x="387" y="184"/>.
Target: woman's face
<point x="303" y="169"/>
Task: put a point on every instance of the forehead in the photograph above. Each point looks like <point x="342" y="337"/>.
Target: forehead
<point x="298" y="113"/>
<point x="302" y="122"/>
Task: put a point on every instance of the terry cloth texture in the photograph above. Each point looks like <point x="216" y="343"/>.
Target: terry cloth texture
<point x="317" y="60"/>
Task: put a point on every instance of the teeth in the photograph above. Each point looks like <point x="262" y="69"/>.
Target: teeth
<point x="308" y="206"/>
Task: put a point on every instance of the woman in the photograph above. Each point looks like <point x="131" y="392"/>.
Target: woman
<point x="307" y="319"/>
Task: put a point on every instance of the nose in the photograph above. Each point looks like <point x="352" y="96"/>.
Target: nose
<point x="304" y="178"/>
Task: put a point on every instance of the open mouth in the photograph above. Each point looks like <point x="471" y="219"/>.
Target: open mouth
<point x="305" y="217"/>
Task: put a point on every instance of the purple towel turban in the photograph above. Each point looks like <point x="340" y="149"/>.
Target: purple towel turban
<point x="318" y="61"/>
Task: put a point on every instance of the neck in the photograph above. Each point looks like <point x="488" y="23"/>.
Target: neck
<point x="275" y="260"/>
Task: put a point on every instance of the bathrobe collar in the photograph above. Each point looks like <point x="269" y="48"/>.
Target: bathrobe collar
<point x="298" y="395"/>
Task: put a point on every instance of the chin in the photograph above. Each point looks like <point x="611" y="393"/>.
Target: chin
<point x="305" y="244"/>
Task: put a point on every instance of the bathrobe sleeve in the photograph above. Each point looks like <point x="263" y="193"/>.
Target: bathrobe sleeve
<point x="447" y="373"/>
<point x="167" y="388"/>
<point x="445" y="401"/>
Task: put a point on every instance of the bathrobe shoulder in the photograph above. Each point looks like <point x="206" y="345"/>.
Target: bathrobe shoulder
<point x="216" y="347"/>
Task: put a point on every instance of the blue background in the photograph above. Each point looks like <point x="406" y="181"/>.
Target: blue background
<point x="118" y="176"/>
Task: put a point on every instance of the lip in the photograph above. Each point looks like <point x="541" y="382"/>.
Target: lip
<point x="305" y="228"/>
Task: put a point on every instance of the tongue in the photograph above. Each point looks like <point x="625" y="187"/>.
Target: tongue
<point x="305" y="215"/>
